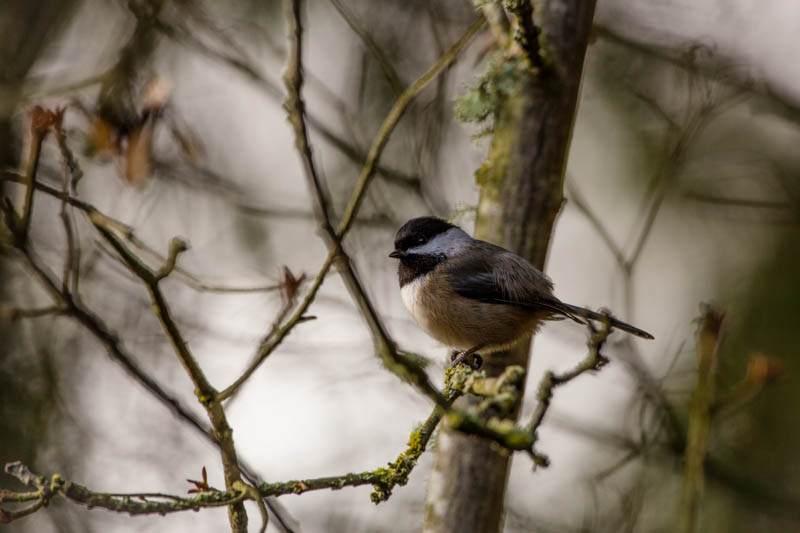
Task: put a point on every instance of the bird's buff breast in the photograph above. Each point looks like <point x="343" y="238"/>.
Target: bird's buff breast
<point x="461" y="323"/>
<point x="411" y="295"/>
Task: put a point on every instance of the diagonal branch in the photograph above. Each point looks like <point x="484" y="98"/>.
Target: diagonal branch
<point x="369" y="43"/>
<point x="348" y="149"/>
<point x="356" y="198"/>
<point x="205" y="392"/>
<point x="293" y="78"/>
<point x="383" y="480"/>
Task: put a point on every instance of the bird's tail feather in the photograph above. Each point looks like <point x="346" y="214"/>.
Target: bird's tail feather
<point x="573" y="312"/>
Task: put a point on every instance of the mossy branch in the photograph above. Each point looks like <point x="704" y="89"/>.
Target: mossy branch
<point x="525" y="32"/>
<point x="502" y="394"/>
<point x="205" y="392"/>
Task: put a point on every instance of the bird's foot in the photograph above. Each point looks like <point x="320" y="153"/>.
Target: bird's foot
<point x="468" y="357"/>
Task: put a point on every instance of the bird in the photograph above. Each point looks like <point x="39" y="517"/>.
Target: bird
<point x="474" y="296"/>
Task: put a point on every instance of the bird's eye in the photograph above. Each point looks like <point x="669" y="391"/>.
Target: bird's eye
<point x="420" y="240"/>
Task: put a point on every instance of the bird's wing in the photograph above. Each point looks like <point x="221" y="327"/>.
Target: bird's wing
<point x="494" y="275"/>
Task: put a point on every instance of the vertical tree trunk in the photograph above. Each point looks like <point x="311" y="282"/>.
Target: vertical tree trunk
<point x="520" y="198"/>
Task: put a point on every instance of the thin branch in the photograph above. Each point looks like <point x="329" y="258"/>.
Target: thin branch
<point x="16" y="314"/>
<point x="709" y="338"/>
<point x="205" y="392"/>
<point x="593" y="361"/>
<point x="133" y="504"/>
<point x="580" y="202"/>
<point x="71" y="175"/>
<point x="112" y="343"/>
<point x="40" y="122"/>
<point x="271" y="342"/>
<point x="391" y="120"/>
<point x="351" y="210"/>
<point x="738" y="202"/>
<point x="293" y="77"/>
<point x="782" y="105"/>
<point x="221" y="437"/>
<point x="348" y="149"/>
<point x="371" y="46"/>
<point x="119" y="354"/>
<point x="127" y="232"/>
<point x="383" y="481"/>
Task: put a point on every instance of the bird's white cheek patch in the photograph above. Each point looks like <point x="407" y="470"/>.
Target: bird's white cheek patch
<point x="410" y="294"/>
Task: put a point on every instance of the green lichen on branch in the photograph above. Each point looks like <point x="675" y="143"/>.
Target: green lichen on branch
<point x="484" y="99"/>
<point x="399" y="470"/>
<point x="525" y="32"/>
<point x="500" y="395"/>
<point x="493" y="101"/>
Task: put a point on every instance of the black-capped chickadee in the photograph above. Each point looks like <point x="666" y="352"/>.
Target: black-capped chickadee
<point x="472" y="295"/>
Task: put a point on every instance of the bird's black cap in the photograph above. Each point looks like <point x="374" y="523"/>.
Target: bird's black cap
<point x="419" y="231"/>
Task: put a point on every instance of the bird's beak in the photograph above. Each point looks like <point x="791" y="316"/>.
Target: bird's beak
<point x="397" y="254"/>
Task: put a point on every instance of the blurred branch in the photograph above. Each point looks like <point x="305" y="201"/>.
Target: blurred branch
<point x="221" y="436"/>
<point x="580" y="202"/>
<point x="12" y="314"/>
<point x="367" y="172"/>
<point x="72" y="173"/>
<point x="351" y="151"/>
<point x="498" y="21"/>
<point x="739" y="202"/>
<point x="783" y="105"/>
<point x="40" y="123"/>
<point x="761" y="371"/>
<point x="127" y="232"/>
<point x="371" y="45"/>
<point x="709" y="337"/>
<point x="33" y="92"/>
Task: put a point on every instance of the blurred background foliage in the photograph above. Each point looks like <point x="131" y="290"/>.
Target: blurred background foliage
<point x="683" y="187"/>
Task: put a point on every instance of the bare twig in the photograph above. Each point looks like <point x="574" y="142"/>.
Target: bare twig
<point x="781" y="104"/>
<point x="385" y="346"/>
<point x="371" y="46"/>
<point x="738" y="202"/>
<point x="205" y="392"/>
<point x="127" y="232"/>
<point x="351" y="210"/>
<point x="72" y="173"/>
<point x="761" y="371"/>
<point x="580" y="202"/>
<point x="348" y="149"/>
<point x="594" y="360"/>
<point x="709" y="338"/>
<point x="16" y="314"/>
<point x="41" y="121"/>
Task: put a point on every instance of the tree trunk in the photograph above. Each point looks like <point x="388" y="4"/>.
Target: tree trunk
<point x="521" y="195"/>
